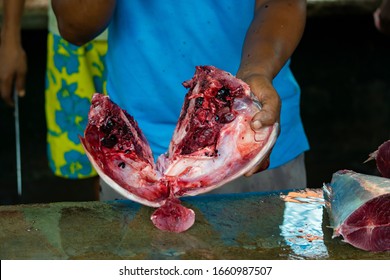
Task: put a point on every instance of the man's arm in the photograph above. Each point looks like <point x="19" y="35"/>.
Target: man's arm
<point x="271" y="39"/>
<point x="81" y="21"/>
<point x="13" y="66"/>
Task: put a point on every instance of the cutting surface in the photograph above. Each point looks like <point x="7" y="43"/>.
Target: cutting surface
<point x="244" y="226"/>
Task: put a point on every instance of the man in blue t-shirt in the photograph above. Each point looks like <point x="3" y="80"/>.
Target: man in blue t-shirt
<point x="155" y="45"/>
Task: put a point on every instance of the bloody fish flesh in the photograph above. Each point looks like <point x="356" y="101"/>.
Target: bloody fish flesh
<point x="382" y="159"/>
<point x="212" y="144"/>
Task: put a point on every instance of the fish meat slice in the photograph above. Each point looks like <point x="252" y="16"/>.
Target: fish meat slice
<point x="359" y="209"/>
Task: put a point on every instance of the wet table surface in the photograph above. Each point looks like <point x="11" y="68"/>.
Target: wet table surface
<point x="245" y="226"/>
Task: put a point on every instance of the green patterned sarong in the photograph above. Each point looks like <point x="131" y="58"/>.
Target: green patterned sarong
<point x="73" y="74"/>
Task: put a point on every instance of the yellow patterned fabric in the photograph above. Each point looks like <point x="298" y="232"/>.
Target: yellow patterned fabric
<point x="73" y="74"/>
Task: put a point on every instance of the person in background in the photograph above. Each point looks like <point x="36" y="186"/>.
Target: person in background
<point x="155" y="45"/>
<point x="382" y="17"/>
<point x="13" y="66"/>
<point x="73" y="74"/>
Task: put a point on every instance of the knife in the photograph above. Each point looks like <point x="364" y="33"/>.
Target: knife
<point x="17" y="137"/>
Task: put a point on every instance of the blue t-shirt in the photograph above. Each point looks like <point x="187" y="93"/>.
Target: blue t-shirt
<point x="155" y="45"/>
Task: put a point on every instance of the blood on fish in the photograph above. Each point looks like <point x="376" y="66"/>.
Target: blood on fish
<point x="212" y="144"/>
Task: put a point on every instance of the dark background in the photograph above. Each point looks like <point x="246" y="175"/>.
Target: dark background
<point x="342" y="65"/>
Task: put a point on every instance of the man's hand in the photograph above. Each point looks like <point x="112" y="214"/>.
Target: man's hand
<point x="13" y="69"/>
<point x="272" y="37"/>
<point x="263" y="89"/>
<point x="270" y="112"/>
<point x="13" y="66"/>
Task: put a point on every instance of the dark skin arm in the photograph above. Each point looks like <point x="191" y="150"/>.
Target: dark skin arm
<point x="79" y="21"/>
<point x="13" y="66"/>
<point x="274" y="34"/>
<point x="271" y="39"/>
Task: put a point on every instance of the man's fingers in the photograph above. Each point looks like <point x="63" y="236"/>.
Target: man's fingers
<point x="269" y="113"/>
<point x="264" y="164"/>
<point x="6" y="92"/>
<point x="264" y="118"/>
<point x="263" y="89"/>
<point x="19" y="83"/>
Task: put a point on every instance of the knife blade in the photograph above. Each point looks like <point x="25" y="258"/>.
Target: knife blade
<point x="17" y="138"/>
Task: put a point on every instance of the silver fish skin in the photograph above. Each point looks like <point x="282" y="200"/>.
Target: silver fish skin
<point x="358" y="204"/>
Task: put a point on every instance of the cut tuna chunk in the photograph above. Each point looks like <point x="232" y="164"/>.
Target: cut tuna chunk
<point x="359" y="209"/>
<point x="213" y="143"/>
<point x="382" y="158"/>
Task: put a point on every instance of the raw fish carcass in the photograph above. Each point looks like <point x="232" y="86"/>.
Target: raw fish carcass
<point x="212" y="144"/>
<point x="382" y="158"/>
<point x="359" y="209"/>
